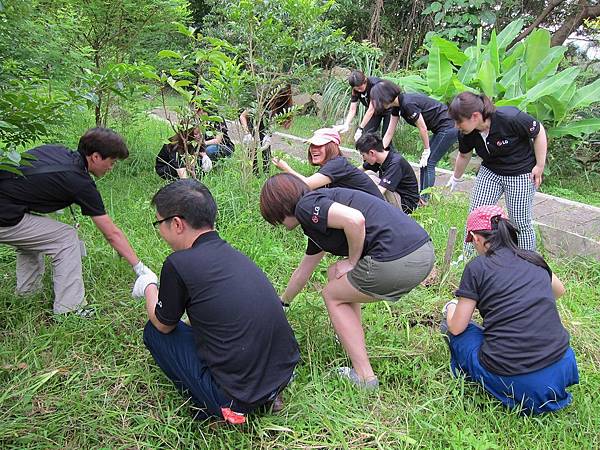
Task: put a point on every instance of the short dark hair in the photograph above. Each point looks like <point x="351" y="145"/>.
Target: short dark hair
<point x="189" y="199"/>
<point x="356" y="78"/>
<point x="279" y="196"/>
<point x="369" y="141"/>
<point x="384" y="93"/>
<point x="466" y="103"/>
<point x="104" y="141"/>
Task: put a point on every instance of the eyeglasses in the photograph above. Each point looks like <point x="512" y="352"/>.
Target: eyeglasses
<point x="158" y="222"/>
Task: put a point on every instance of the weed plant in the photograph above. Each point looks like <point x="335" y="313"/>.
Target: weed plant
<point x="77" y="383"/>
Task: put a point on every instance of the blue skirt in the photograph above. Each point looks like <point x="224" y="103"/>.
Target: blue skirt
<point x="533" y="393"/>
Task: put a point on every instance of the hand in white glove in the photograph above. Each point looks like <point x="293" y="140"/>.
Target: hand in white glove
<point x="453" y="182"/>
<point x="424" y="157"/>
<point x="141" y="269"/>
<point x="343" y="128"/>
<point x="358" y="134"/>
<point x="142" y="282"/>
<point x="247" y="139"/>
<point x="445" y="308"/>
<point x="206" y="163"/>
<point x="266" y="142"/>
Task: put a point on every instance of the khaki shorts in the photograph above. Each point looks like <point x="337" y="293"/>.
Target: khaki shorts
<point x="390" y="280"/>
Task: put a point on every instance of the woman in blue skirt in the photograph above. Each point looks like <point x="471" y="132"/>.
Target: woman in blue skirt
<point x="521" y="355"/>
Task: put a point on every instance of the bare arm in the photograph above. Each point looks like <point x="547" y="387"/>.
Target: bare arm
<point x="116" y="238"/>
<point x="182" y="172"/>
<point x="216" y="140"/>
<point x="460" y="315"/>
<point x="389" y="134"/>
<point x="540" y="148"/>
<point x="558" y="288"/>
<point x="368" y="115"/>
<point x="462" y="160"/>
<point x="420" y="123"/>
<point x="301" y="276"/>
<point x="244" y="121"/>
<point x="315" y="181"/>
<point x="151" y="294"/>
<point x="351" y="113"/>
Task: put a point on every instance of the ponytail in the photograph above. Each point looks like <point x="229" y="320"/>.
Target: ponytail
<point x="466" y="103"/>
<point x="504" y="235"/>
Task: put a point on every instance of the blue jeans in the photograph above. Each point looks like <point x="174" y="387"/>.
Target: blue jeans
<point x="215" y="151"/>
<point x="439" y="144"/>
<point x="533" y="393"/>
<point x="177" y="355"/>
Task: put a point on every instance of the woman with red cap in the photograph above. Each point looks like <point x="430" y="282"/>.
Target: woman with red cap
<point x="521" y="355"/>
<point x="334" y="169"/>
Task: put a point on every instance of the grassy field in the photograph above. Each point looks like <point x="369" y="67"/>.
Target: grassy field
<point x="76" y="383"/>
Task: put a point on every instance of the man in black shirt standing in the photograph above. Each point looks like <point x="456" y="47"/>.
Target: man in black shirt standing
<point x="239" y="352"/>
<point x="57" y="178"/>
<point x="395" y="173"/>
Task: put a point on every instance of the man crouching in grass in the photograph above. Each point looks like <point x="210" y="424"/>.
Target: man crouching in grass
<point x="239" y="352"/>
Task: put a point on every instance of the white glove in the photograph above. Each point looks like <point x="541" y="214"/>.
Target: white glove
<point x="453" y="182"/>
<point x="206" y="163"/>
<point x="266" y="142"/>
<point x="141" y="269"/>
<point x="445" y="308"/>
<point x="358" y="134"/>
<point x="343" y="128"/>
<point x="247" y="139"/>
<point x="424" y="157"/>
<point x="142" y="282"/>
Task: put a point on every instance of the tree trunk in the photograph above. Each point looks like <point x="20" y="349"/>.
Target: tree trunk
<point x="571" y="23"/>
<point x="539" y="19"/>
<point x="375" y="29"/>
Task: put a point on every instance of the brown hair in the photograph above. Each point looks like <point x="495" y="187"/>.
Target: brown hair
<point x="356" y="78"/>
<point x="279" y="196"/>
<point x="466" y="103"/>
<point x="384" y="93"/>
<point x="104" y="141"/>
<point x="332" y="150"/>
<point x="183" y="141"/>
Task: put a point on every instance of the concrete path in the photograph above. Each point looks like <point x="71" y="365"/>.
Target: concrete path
<point x="566" y="227"/>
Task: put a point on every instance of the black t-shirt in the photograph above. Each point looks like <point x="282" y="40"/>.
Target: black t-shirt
<point x="508" y="149"/>
<point x="169" y="159"/>
<point x="365" y="97"/>
<point x="435" y="114"/>
<point x="397" y="175"/>
<point x="522" y="329"/>
<point x="343" y="174"/>
<point x="238" y="323"/>
<point x="49" y="192"/>
<point x="389" y="233"/>
<point x="220" y="127"/>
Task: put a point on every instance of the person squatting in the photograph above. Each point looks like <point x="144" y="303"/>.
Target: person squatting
<point x="237" y="352"/>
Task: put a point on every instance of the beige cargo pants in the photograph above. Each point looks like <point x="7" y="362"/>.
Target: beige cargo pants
<point x="36" y="236"/>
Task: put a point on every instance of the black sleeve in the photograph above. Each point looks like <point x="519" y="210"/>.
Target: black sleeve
<point x="373" y="167"/>
<point x="463" y="145"/>
<point x="311" y="211"/>
<point x="410" y="112"/>
<point x="469" y="286"/>
<point x="172" y="295"/>
<point x="392" y="176"/>
<point x="312" y="248"/>
<point x="353" y="96"/>
<point x="395" y="111"/>
<point x="336" y="168"/>
<point x="525" y="125"/>
<point x="85" y="194"/>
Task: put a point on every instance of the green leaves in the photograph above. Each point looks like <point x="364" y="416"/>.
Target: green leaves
<point x="439" y="72"/>
<point x="576" y="129"/>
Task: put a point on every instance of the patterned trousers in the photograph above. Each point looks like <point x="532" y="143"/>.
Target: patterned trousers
<point x="518" y="193"/>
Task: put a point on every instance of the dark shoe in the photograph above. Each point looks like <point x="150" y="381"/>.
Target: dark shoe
<point x="277" y="404"/>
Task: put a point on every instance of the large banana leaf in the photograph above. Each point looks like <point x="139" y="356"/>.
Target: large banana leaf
<point x="559" y="109"/>
<point x="576" y="129"/>
<point x="509" y="101"/>
<point x="410" y="83"/>
<point x="492" y="48"/>
<point x="450" y="50"/>
<point x="540" y="111"/>
<point x="469" y="69"/>
<point x="587" y="95"/>
<point x="514" y="57"/>
<point x="511" y="77"/>
<point x="552" y="85"/>
<point x="547" y="66"/>
<point x="509" y="32"/>
<point x="439" y="72"/>
<point x="487" y="78"/>
<point x="537" y="47"/>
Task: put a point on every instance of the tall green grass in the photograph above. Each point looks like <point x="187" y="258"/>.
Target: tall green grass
<point x="75" y="383"/>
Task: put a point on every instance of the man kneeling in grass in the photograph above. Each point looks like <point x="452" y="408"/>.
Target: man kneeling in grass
<point x="239" y="352"/>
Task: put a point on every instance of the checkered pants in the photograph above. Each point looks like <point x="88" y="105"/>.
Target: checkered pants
<point x="518" y="193"/>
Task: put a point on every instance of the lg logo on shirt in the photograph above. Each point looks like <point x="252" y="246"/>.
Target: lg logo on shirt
<point x="386" y="181"/>
<point x="414" y="115"/>
<point x="533" y="126"/>
<point x="315" y="217"/>
<point x="159" y="303"/>
<point x="502" y="142"/>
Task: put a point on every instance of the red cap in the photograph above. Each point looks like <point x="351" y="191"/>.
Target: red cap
<point x="481" y="219"/>
<point x="323" y="136"/>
